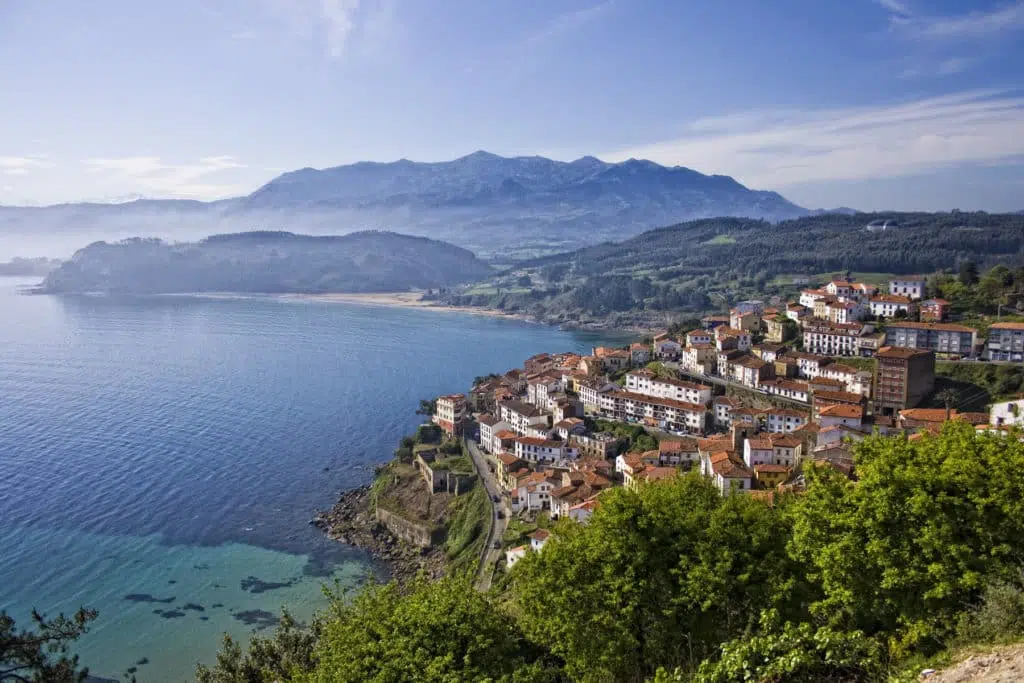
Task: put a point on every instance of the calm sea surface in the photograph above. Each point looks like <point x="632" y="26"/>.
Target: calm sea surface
<point x="160" y="457"/>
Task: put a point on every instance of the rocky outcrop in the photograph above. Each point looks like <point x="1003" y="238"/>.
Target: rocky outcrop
<point x="352" y="520"/>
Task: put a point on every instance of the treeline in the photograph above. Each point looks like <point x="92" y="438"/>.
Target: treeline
<point x="848" y="581"/>
<point x="706" y="264"/>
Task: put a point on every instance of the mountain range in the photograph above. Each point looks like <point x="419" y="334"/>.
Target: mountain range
<point x="497" y="206"/>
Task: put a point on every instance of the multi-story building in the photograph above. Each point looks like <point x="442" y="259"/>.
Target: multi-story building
<point x="699" y="359"/>
<point x="540" y="387"/>
<point x="787" y="388"/>
<point x="784" y="420"/>
<point x="695" y="337"/>
<point x="888" y="305"/>
<point x="845" y="311"/>
<point x="839" y="288"/>
<point x="808" y="297"/>
<point x="934" y="310"/>
<point x="904" y="377"/>
<point x="730" y="338"/>
<point x="601" y="445"/>
<point x="1005" y="342"/>
<point x="751" y="371"/>
<point x="830" y="339"/>
<point x="942" y="338"/>
<point x="911" y="286"/>
<point x="646" y="383"/>
<point x="668" y="414"/>
<point x="639" y="354"/>
<point x="536" y="450"/>
<point x="591" y="390"/>
<point x="523" y="417"/>
<point x="450" y="413"/>
<point x="489" y="426"/>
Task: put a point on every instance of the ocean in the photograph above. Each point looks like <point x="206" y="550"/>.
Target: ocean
<point x="161" y="457"/>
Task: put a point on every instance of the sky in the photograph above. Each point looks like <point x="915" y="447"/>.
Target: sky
<point x="873" y="104"/>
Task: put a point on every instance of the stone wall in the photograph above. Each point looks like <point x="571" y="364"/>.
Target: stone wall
<point x="419" y="534"/>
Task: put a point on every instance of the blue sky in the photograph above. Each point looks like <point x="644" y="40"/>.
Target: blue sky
<point x="902" y="104"/>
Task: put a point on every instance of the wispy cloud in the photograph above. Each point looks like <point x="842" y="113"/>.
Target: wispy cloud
<point x="895" y="6"/>
<point x="154" y="176"/>
<point x="334" y="24"/>
<point x="930" y="67"/>
<point x="569" y="21"/>
<point x="972" y="25"/>
<point x="13" y="166"/>
<point x="779" y="149"/>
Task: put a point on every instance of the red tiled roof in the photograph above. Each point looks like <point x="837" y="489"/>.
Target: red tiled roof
<point x="940" y="327"/>
<point x="768" y="468"/>
<point x="842" y="410"/>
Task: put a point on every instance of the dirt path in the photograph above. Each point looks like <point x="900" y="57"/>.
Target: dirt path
<point x="1005" y="665"/>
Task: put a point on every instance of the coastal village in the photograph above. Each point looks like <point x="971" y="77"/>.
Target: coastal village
<point x="749" y="400"/>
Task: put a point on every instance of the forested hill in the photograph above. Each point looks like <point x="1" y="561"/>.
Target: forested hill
<point x="268" y="262"/>
<point x="706" y="264"/>
<point x="736" y="247"/>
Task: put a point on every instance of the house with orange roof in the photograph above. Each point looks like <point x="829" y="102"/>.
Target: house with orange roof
<point x="758" y="450"/>
<point x="650" y="475"/>
<point x="533" y="492"/>
<point x="699" y="359"/>
<point x="934" y="310"/>
<point x="768" y="476"/>
<point x="729" y="475"/>
<point x="916" y="418"/>
<point x="784" y="420"/>
<point x="698" y="337"/>
<point x="723" y="406"/>
<point x="582" y="512"/>
<point x="450" y="413"/>
<point x="647" y="383"/>
<point x="889" y="305"/>
<point x="639" y="354"/>
<point x="489" y="426"/>
<point x="841" y="414"/>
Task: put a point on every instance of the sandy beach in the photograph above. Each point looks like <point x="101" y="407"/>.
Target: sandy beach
<point x="398" y="299"/>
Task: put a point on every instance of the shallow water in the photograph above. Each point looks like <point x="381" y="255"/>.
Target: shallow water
<point x="160" y="457"/>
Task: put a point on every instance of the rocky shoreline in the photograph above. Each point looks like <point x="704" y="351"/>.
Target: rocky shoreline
<point x="352" y="521"/>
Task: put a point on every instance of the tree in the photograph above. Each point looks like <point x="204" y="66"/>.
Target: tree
<point x="612" y="598"/>
<point x="41" y="654"/>
<point x="427" y="407"/>
<point x="950" y="398"/>
<point x="279" y="658"/>
<point x="436" y="631"/>
<point x="899" y="554"/>
<point x="968" y="273"/>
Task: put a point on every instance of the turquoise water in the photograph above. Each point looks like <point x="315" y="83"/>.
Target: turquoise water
<point x="160" y="457"/>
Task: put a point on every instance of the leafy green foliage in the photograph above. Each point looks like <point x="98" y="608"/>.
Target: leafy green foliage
<point x="287" y="653"/>
<point x="41" y="654"/>
<point x="441" y="631"/>
<point x="635" y="437"/>
<point x="709" y="264"/>
<point x="663" y="573"/>
<point x="847" y="581"/>
<point x="903" y="550"/>
<point x="467" y="529"/>
<point x="796" y="653"/>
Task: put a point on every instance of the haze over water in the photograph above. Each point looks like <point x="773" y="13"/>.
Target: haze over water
<point x="173" y="449"/>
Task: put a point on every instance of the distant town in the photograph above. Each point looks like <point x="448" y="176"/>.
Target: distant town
<point x="749" y="400"/>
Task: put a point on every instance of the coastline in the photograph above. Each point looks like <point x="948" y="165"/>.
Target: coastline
<point x="401" y="300"/>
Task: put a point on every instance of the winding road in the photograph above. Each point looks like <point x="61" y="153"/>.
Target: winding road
<point x="490" y="554"/>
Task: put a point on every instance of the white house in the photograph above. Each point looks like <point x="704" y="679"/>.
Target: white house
<point x="1007" y="413"/>
<point x="698" y="337"/>
<point x="809" y="296"/>
<point x="758" y="451"/>
<point x="513" y="555"/>
<point x="667" y="348"/>
<point x="723" y="411"/>
<point x="887" y="305"/>
<point x="539" y="388"/>
<point x="911" y="286"/>
<point x="582" y="512"/>
<point x="591" y="390"/>
<point x="538" y="539"/>
<point x="644" y="382"/>
<point x="841" y="415"/>
<point x="783" y="420"/>
<point x="489" y="426"/>
<point x="522" y="416"/>
<point x="798" y="391"/>
<point x="534" y="449"/>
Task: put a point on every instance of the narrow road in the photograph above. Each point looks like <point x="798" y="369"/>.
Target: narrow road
<point x="490" y="554"/>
